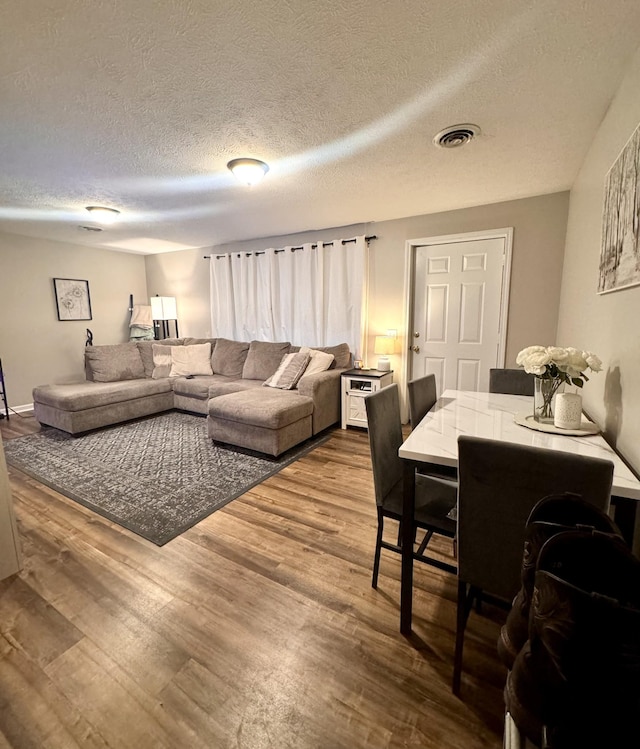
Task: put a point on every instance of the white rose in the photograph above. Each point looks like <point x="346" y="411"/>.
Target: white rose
<point x="575" y="363"/>
<point x="594" y="363"/>
<point x="558" y="355"/>
<point x="526" y="352"/>
<point x="536" y="362"/>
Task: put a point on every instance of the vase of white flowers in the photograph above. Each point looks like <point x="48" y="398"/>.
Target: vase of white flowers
<point x="554" y="367"/>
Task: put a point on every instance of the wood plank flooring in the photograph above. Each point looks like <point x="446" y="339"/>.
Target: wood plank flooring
<point x="257" y="628"/>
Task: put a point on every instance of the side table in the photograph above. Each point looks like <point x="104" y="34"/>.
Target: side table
<point x="356" y="384"/>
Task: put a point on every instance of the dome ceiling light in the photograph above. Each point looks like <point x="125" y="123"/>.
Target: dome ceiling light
<point x="102" y="214"/>
<point x="456" y="136"/>
<point x="249" y="171"/>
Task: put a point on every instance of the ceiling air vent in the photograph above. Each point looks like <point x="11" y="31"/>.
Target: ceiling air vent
<point x="456" y="135"/>
<point x="90" y="228"/>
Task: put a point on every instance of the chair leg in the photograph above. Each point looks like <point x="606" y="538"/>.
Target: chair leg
<point x="376" y="556"/>
<point x="424" y="542"/>
<point x="462" y="612"/>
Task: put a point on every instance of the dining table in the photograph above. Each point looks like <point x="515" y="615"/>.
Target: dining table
<point x="499" y="416"/>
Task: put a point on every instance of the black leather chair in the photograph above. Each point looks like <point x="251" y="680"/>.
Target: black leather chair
<point x="435" y="498"/>
<point x="511" y="381"/>
<point x="499" y="483"/>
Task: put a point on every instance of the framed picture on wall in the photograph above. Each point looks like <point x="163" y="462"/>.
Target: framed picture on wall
<point x="620" y="248"/>
<point x="72" y="299"/>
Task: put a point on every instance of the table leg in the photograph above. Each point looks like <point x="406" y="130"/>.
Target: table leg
<point x="406" y="580"/>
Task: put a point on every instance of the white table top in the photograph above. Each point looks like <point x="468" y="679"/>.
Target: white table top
<point x="490" y="415"/>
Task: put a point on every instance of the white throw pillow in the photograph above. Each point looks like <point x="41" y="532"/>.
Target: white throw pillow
<point x="191" y="360"/>
<point x="161" y="360"/>
<point x="320" y="361"/>
<point x="289" y="372"/>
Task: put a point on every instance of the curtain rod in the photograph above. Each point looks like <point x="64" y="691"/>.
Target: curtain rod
<point x="293" y="249"/>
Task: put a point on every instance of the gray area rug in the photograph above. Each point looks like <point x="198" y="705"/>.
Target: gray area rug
<point x="156" y="476"/>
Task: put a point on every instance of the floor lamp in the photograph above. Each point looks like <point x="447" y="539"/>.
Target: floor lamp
<point x="164" y="310"/>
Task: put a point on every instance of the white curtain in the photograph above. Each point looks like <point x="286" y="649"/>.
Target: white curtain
<point x="314" y="295"/>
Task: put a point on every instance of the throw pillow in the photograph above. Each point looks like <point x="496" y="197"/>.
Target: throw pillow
<point x="320" y="361"/>
<point x="289" y="372"/>
<point x="191" y="360"/>
<point x="146" y="352"/>
<point x="341" y="353"/>
<point x="161" y="360"/>
<point x="228" y="357"/>
<point x="113" y="363"/>
<point x="263" y="359"/>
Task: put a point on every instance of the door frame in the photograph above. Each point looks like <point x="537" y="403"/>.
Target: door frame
<point x="411" y="245"/>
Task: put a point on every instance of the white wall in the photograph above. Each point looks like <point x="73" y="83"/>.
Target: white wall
<point x="35" y="347"/>
<point x="606" y="324"/>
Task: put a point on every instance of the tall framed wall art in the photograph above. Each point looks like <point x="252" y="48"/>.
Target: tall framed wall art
<point x="620" y="248"/>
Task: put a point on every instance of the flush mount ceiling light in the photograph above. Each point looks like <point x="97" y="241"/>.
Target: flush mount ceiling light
<point x="103" y="215"/>
<point x="249" y="171"/>
<point x="456" y="136"/>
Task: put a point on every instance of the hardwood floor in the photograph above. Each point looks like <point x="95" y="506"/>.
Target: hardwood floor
<point x="256" y="628"/>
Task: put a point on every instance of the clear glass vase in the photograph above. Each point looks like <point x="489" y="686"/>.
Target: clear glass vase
<point x="544" y="396"/>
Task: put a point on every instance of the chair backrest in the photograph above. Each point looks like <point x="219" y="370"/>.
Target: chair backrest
<point x="499" y="483"/>
<point x="385" y="438"/>
<point x="422" y="397"/>
<point x="511" y="381"/>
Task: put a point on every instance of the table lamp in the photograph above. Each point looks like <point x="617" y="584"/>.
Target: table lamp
<point x="383" y="345"/>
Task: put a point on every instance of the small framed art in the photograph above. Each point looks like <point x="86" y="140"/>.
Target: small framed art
<point x="72" y="299"/>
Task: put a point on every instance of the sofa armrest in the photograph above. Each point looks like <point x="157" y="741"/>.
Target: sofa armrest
<point x="324" y="389"/>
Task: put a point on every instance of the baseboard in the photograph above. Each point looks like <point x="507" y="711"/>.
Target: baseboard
<point x="21" y="409"/>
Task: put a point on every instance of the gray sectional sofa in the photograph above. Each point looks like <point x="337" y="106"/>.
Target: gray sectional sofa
<point x="226" y="383"/>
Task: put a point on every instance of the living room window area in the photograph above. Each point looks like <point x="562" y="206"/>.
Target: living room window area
<point x="314" y="292"/>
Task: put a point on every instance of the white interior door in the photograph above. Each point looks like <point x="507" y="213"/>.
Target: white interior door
<point x="457" y="326"/>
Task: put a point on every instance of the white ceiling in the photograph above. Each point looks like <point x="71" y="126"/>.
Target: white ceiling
<point x="140" y="104"/>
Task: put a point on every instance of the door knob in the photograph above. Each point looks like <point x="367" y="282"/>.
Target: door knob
<point x="415" y="349"/>
<point x="416" y="334"/>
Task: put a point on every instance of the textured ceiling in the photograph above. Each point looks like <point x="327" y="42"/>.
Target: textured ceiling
<point x="139" y="105"/>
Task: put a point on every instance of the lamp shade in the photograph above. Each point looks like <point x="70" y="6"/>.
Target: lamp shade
<point x="383" y="345"/>
<point x="164" y="308"/>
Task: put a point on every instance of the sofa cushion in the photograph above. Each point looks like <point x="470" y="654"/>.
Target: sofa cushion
<point x="83" y="395"/>
<point x="319" y="361"/>
<point x="198" y="387"/>
<point x="192" y="341"/>
<point x="291" y="369"/>
<point x="264" y="407"/>
<point x="146" y="351"/>
<point x="228" y="357"/>
<point x="225" y="385"/>
<point x="192" y="359"/>
<point x="341" y="354"/>
<point x="114" y="363"/>
<point x="263" y="358"/>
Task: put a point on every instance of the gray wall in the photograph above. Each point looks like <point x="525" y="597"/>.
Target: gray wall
<point x="606" y="324"/>
<point x="538" y="245"/>
<point x="36" y="347"/>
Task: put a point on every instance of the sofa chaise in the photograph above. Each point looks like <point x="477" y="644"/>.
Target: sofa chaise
<point x="263" y="396"/>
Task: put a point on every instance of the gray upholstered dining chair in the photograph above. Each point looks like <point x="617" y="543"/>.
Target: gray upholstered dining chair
<point x="511" y="381"/>
<point x="422" y="397"/>
<point x="499" y="483"/>
<point x="435" y="498"/>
